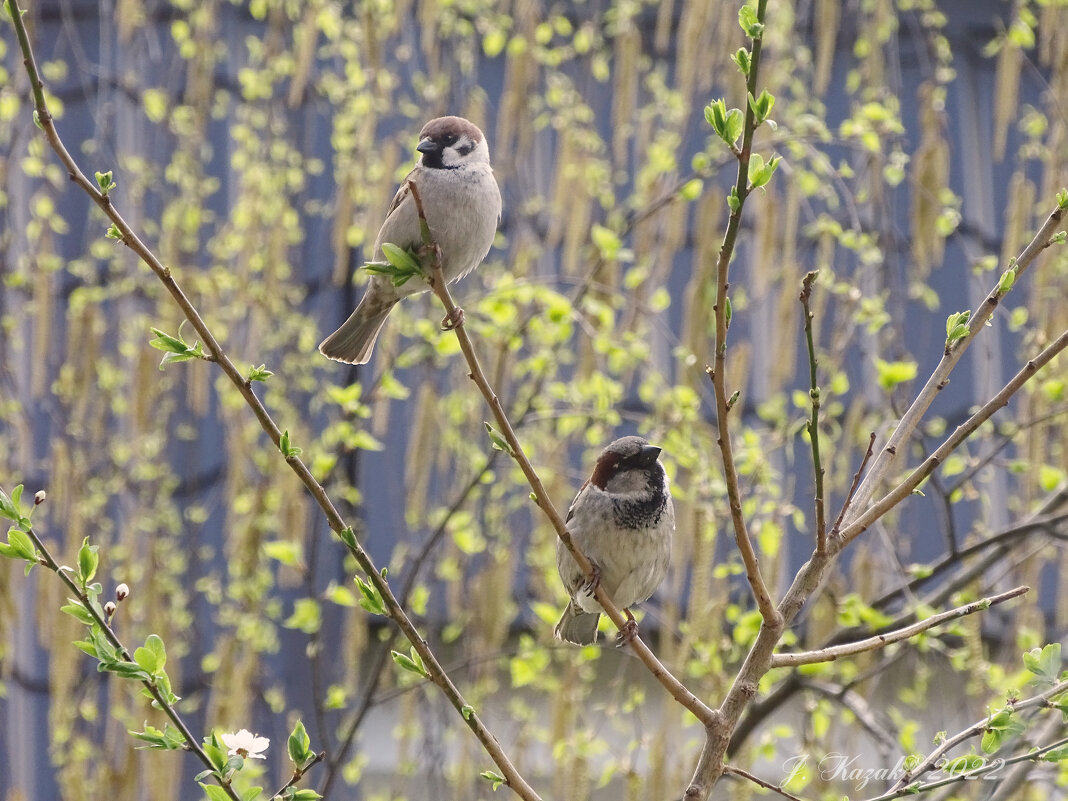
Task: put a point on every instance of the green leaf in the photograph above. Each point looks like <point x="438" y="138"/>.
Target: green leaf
<point x="759" y="171"/>
<point x="957" y="327"/>
<point x="113" y="232"/>
<point x="1008" y="279"/>
<point x="1056" y="755"/>
<point x="497" y="439"/>
<point x="174" y="358"/>
<point x="8" y="506"/>
<point x="288" y="553"/>
<point x="371" y="600"/>
<point x="166" y="342"/>
<point x="606" y="241"/>
<point x="215" y="752"/>
<point x="761" y="105"/>
<point x="305" y="795"/>
<point x="733" y="201"/>
<point x="163" y="685"/>
<point x="286" y="447"/>
<point x="251" y="794"/>
<point x="105" y="182"/>
<point x="728" y="125"/>
<point x="1050" y="477"/>
<point x="1002" y="726"/>
<point x="87" y="647"/>
<point x="735" y="124"/>
<point x="88" y="560"/>
<point x="891" y="374"/>
<point x="128" y="670"/>
<point x="744" y="60"/>
<point x="750" y="23"/>
<point x="495" y="779"/>
<point x="299" y="744"/>
<point x="260" y="373"/>
<point x="1044" y="662"/>
<point x="175" y="348"/>
<point x="400" y="258"/>
<point x="413" y="663"/>
<point x="77" y="611"/>
<point x="348" y="536"/>
<point x="146" y="659"/>
<point x="467" y="711"/>
<point x="154" y="643"/>
<point x="106" y="652"/>
<point x="153" y="738"/>
<point x="21" y="546"/>
<point x="1062" y="199"/>
<point x="954" y="321"/>
<point x="963" y="763"/>
<point x="691" y="190"/>
<point x="306" y="617"/>
<point x="214" y="792"/>
<point x="170" y="738"/>
<point x="716" y="116"/>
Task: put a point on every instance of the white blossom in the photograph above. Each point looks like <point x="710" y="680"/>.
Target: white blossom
<point x="245" y="744"/>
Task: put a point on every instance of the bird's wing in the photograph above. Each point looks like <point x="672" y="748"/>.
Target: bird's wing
<point x="402" y="192"/>
<point x="571" y="509"/>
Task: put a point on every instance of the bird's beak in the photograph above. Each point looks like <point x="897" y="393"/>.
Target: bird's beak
<point x="649" y="454"/>
<point x="427" y="145"/>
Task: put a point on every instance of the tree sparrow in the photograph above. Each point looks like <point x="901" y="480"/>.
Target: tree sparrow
<point x="622" y="519"/>
<point x="462" y="204"/>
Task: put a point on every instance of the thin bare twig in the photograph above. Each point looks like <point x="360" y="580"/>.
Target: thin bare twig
<point x="1004" y="441"/>
<point x="940" y="377"/>
<point x="834" y="652"/>
<point x="814" y="421"/>
<point x="853" y="487"/>
<point x="744" y="774"/>
<point x="858" y="705"/>
<point x="961" y="433"/>
<point x="1046" y="516"/>
<point x="299" y="773"/>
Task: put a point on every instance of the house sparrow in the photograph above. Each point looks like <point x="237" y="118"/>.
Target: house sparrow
<point x="622" y="520"/>
<point x="462" y="204"/>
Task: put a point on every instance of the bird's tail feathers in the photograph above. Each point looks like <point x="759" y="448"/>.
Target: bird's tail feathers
<point x="353" y="342"/>
<point x="577" y="626"/>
